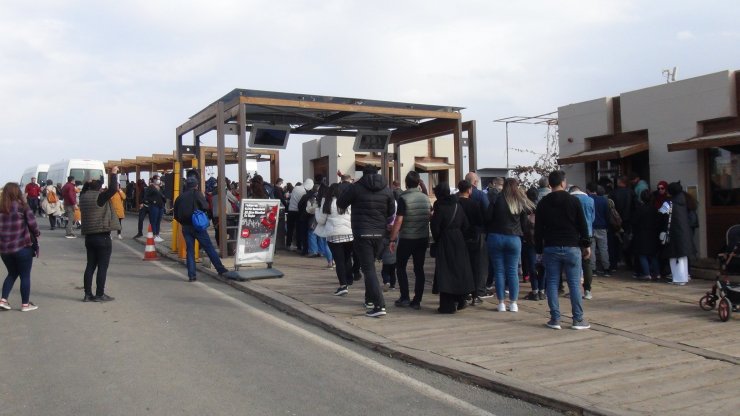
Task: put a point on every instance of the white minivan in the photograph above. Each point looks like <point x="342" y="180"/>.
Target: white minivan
<point x="83" y="170"/>
<point x="37" y="171"/>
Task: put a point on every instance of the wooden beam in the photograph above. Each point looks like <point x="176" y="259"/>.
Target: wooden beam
<point x="203" y="116"/>
<point x="355" y="108"/>
<point x="241" y="120"/>
<point x="426" y="130"/>
<point x="458" y="143"/>
<point x="469" y="126"/>
<point x="221" y="162"/>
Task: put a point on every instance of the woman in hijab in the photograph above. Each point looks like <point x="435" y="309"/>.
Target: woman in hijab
<point x="453" y="277"/>
<point x="677" y="240"/>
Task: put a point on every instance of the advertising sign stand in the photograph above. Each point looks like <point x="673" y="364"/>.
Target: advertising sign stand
<point x="256" y="239"/>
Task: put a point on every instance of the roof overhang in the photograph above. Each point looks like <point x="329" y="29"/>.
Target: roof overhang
<point x="608" y="153"/>
<point x="703" y="142"/>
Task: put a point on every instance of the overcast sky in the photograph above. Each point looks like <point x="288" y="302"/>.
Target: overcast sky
<point x="111" y="80"/>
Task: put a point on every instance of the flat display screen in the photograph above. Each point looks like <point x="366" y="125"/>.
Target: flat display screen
<point x="372" y="141"/>
<point x="269" y="137"/>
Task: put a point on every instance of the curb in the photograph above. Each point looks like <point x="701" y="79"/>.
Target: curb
<point x="458" y="370"/>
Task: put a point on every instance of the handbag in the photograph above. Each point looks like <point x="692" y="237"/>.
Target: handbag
<point x="34" y="240"/>
<point x="199" y="219"/>
<point x="434" y="247"/>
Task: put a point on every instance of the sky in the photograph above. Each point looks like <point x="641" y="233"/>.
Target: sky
<point x="109" y="80"/>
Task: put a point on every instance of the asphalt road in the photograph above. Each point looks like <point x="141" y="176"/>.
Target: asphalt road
<point x="166" y="347"/>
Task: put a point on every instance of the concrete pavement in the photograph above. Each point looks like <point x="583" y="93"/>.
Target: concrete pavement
<point x="651" y="350"/>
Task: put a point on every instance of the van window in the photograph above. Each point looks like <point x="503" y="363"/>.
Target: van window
<point x="86" y="175"/>
<point x="41" y="178"/>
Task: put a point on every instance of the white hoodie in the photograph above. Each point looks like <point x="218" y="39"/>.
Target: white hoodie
<point x="298" y="193"/>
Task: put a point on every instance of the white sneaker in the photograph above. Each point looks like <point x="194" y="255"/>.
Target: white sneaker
<point x="4" y="305"/>
<point x="587" y="295"/>
<point x="158" y="239"/>
<point x="513" y="307"/>
<point x="120" y="236"/>
<point x="502" y="307"/>
<point x="28" y="308"/>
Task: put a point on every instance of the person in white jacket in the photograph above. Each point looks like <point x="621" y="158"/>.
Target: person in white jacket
<point x="337" y="226"/>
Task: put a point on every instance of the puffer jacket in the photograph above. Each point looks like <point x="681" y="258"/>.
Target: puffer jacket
<point x="334" y="224"/>
<point x="372" y="204"/>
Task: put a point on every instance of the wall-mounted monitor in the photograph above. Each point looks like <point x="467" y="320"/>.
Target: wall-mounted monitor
<point x="266" y="136"/>
<point x="372" y="141"/>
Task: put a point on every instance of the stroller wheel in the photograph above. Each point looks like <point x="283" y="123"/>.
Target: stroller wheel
<point x="724" y="309"/>
<point x="707" y="302"/>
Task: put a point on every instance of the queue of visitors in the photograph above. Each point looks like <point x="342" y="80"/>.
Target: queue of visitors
<point x="485" y="242"/>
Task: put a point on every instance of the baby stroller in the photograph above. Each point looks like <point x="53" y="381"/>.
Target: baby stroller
<point x="725" y="295"/>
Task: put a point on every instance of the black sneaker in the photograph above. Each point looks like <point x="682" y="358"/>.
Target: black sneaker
<point x="137" y="236"/>
<point x="541" y="295"/>
<point x="104" y="298"/>
<point x="476" y="301"/>
<point x="488" y="294"/>
<point x="402" y="303"/>
<point x="341" y="290"/>
<point x="375" y="312"/>
<point x="89" y="298"/>
<point x="415" y="305"/>
<point x="531" y="296"/>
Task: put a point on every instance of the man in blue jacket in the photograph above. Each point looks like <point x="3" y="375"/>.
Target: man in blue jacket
<point x="588" y="211"/>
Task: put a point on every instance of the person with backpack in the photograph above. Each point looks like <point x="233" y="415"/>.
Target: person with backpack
<point x="185" y="205"/>
<point x="51" y="204"/>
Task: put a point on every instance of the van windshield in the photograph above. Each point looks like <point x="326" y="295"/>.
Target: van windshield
<point x="86" y="175"/>
<point x="41" y="178"/>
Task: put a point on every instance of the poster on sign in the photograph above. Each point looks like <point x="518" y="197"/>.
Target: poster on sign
<point x="257" y="231"/>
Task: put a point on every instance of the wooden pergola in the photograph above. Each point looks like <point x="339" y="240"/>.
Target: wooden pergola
<point x="236" y="112"/>
<point x="207" y="156"/>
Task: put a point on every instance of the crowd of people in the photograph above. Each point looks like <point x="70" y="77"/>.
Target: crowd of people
<point x="486" y="242"/>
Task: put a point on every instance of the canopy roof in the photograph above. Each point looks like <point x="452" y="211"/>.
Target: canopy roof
<point x="317" y="114"/>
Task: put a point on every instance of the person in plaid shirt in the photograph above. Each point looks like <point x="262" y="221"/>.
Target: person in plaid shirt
<point x="17" y="222"/>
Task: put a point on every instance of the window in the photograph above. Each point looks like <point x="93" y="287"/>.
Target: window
<point x="724" y="179"/>
<point x="85" y="175"/>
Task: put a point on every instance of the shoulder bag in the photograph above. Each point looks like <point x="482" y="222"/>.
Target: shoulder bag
<point x="199" y="219"/>
<point x="434" y="247"/>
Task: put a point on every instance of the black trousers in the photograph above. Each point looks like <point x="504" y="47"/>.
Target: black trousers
<point x="143" y="213"/>
<point x="291" y="223"/>
<point x="342" y="253"/>
<point x="479" y="264"/>
<point x="416" y="248"/>
<point x="33" y="203"/>
<point x="99" y="248"/>
<point x="367" y="250"/>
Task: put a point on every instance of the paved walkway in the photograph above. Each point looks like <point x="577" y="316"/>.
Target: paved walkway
<point x="651" y="349"/>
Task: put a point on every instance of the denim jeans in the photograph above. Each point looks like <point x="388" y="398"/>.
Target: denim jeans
<point x="536" y="277"/>
<point x="191" y="234"/>
<point x="557" y="260"/>
<point x="313" y="244"/>
<point x="649" y="265"/>
<point x="367" y="250"/>
<point x="599" y="250"/>
<point x="505" y="251"/>
<point x="18" y="265"/>
<point x="155" y="217"/>
<point x="99" y="248"/>
<point x="415" y="248"/>
<point x="323" y="248"/>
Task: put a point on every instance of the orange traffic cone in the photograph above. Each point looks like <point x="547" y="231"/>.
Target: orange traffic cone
<point x="150" y="252"/>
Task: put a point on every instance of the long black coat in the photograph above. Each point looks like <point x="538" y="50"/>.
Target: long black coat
<point x="452" y="272"/>
<point x="681" y="243"/>
<point x="645" y="226"/>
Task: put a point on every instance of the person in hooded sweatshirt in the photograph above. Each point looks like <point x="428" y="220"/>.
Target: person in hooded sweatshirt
<point x="373" y="208"/>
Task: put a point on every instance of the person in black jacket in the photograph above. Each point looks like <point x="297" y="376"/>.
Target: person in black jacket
<point x="561" y="236"/>
<point x="645" y="223"/>
<point x="473" y="239"/>
<point x="372" y="209"/>
<point x="154" y="200"/>
<point x="185" y="204"/>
